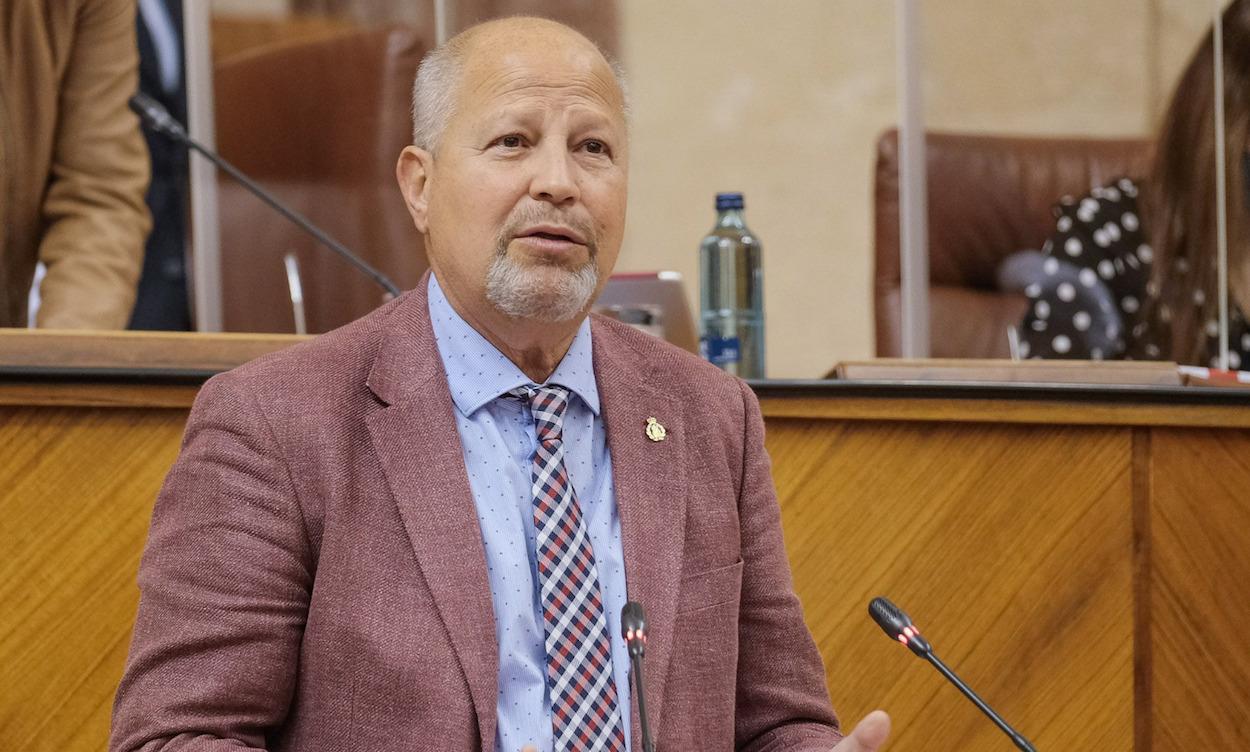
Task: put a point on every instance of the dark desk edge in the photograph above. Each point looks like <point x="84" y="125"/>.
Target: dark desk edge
<point x="1015" y="391"/>
<point x="110" y="375"/>
<point x="766" y="389"/>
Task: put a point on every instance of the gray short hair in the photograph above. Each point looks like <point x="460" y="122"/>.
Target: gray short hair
<point x="434" y="93"/>
<point x="434" y="90"/>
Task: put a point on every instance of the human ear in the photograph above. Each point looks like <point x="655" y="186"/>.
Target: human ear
<point x="413" y="174"/>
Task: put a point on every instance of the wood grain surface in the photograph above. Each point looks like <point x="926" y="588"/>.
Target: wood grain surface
<point x="1024" y="371"/>
<point x="1200" y="590"/>
<point x="1011" y="546"/>
<point x="150" y="350"/>
<point x="76" y="493"/>
<point x="1079" y="565"/>
<point x="1023" y="411"/>
<point x="31" y="392"/>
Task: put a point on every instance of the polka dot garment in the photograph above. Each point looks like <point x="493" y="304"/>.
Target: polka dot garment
<point x="1095" y="275"/>
<point x="1238" y="341"/>
<point x="1090" y="303"/>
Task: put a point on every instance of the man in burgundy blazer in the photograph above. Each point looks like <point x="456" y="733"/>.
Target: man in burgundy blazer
<point x="315" y="577"/>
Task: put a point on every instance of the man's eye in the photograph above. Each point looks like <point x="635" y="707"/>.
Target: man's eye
<point x="510" y="142"/>
<point x="596" y="147"/>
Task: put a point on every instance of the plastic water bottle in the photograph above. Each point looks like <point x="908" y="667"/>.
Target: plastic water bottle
<point x="731" y="286"/>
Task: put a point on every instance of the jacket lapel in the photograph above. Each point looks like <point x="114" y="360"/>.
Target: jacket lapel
<point x="415" y="439"/>
<point x="650" y="484"/>
<point x="417" y="444"/>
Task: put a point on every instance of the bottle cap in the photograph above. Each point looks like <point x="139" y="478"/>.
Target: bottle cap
<point x="728" y="201"/>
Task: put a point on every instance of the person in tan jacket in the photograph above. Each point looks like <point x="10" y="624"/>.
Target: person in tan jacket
<point x="73" y="167"/>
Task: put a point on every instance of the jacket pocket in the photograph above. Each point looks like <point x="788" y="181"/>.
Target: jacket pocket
<point x="710" y="588"/>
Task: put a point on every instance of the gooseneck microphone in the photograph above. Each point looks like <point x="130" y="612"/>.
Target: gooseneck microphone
<point x="898" y="625"/>
<point x="157" y="118"/>
<point x="634" y="630"/>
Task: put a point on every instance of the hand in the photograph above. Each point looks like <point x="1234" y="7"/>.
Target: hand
<point x="869" y="734"/>
<point x="529" y="748"/>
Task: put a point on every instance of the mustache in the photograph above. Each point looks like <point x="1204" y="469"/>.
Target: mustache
<point x="537" y="215"/>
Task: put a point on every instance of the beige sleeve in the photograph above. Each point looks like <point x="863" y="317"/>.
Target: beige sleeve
<point x="94" y="213"/>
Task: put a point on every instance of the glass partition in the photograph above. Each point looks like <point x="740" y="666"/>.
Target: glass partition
<point x="784" y="104"/>
<point x="1024" y="103"/>
<point x="1074" y="178"/>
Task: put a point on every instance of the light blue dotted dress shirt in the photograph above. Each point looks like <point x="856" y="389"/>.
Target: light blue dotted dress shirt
<point x="498" y="437"/>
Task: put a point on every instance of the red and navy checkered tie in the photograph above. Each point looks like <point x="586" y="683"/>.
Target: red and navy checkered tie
<point x="584" y="710"/>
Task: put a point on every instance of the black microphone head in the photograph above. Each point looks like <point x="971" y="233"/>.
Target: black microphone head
<point x="888" y="616"/>
<point x="898" y="625"/>
<point x="634" y="628"/>
<point x="633" y="620"/>
<point x="155" y="116"/>
<point x="138" y="103"/>
<point x="147" y="108"/>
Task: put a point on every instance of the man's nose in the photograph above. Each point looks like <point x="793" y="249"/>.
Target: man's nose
<point x="555" y="175"/>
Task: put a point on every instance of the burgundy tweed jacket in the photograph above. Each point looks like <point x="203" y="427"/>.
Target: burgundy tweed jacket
<point x="315" y="579"/>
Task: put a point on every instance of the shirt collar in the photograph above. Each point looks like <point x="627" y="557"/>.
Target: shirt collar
<point x="477" y="372"/>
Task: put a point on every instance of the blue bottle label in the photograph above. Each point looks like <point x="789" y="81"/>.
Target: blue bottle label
<point x="720" y="350"/>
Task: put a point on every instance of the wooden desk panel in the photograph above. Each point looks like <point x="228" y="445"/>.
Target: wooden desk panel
<point x="1130" y="607"/>
<point x="76" y="493"/>
<point x="1077" y="555"/>
<point x="1199" y="572"/>
<point x="1010" y="545"/>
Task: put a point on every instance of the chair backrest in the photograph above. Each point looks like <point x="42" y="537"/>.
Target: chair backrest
<point x="989" y="196"/>
<point x="321" y="123"/>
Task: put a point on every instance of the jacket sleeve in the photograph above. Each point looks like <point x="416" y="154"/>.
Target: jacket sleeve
<point x="224" y="584"/>
<point x="782" y="702"/>
<point x="94" y="217"/>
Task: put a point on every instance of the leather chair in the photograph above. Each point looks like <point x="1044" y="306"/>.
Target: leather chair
<point x="597" y="19"/>
<point x="320" y="122"/>
<point x="989" y="196"/>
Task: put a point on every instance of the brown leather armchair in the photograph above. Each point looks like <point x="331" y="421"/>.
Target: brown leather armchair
<point x="319" y="122"/>
<point x="989" y="196"/>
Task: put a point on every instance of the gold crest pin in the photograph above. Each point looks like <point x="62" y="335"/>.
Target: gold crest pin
<point x="655" y="431"/>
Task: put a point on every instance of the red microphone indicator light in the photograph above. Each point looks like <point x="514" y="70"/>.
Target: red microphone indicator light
<point x="898" y="625"/>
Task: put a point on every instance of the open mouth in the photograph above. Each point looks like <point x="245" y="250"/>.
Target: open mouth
<point x="550" y="236"/>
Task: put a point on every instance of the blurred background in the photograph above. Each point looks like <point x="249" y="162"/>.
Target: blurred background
<point x="784" y="102"/>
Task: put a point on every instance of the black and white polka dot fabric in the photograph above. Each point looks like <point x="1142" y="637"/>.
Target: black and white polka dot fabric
<point x="1238" y="341"/>
<point x="1089" y="298"/>
<point x="1089" y="301"/>
<point x="1071" y="313"/>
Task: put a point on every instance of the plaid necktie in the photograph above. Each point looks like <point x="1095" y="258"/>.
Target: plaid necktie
<point x="584" y="711"/>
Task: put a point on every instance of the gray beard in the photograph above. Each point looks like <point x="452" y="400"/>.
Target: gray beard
<point x="540" y="292"/>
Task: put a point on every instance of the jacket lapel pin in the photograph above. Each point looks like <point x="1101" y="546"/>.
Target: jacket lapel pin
<point x="655" y="431"/>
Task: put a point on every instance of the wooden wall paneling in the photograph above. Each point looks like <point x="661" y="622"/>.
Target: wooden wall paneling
<point x="1200" y="589"/>
<point x="1042" y="555"/>
<point x="76" y="489"/>
<point x="1010" y="545"/>
<point x="1142" y="668"/>
<point x="72" y="393"/>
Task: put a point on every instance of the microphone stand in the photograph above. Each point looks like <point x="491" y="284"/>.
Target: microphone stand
<point x="1015" y="736"/>
<point x="634" y="630"/>
<point x="636" y="663"/>
<point x="899" y="626"/>
<point x="159" y="119"/>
